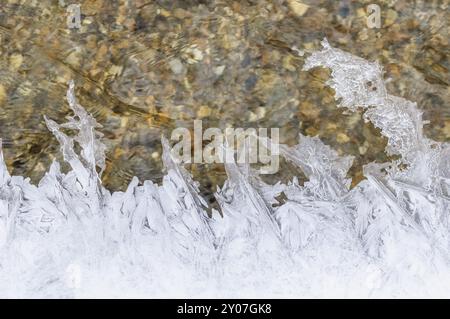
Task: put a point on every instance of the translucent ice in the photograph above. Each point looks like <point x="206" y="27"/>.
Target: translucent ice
<point x="387" y="237"/>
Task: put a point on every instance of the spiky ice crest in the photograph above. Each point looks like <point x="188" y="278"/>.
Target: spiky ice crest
<point x="387" y="237"/>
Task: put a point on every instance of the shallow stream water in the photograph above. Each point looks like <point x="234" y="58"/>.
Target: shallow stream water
<point x="143" y="68"/>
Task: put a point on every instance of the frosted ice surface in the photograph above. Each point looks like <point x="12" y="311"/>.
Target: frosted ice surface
<point x="359" y="83"/>
<point x="387" y="237"/>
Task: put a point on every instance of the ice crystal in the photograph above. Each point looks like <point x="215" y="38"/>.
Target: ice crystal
<point x="387" y="237"/>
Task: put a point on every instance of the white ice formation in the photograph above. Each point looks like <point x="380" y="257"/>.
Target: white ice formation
<point x="389" y="236"/>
